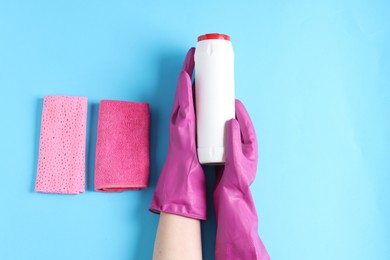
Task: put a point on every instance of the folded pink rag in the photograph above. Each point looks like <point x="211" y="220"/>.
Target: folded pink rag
<point x="122" y="148"/>
<point x="61" y="163"/>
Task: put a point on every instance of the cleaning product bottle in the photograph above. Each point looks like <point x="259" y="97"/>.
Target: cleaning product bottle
<point x="214" y="95"/>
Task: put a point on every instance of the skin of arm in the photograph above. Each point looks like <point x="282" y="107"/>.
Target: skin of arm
<point x="177" y="238"/>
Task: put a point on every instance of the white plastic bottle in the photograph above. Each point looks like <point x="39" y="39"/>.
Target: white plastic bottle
<point x="214" y="95"/>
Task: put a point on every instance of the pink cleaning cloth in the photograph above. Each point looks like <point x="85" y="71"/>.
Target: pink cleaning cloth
<point x="61" y="163"/>
<point x="122" y="148"/>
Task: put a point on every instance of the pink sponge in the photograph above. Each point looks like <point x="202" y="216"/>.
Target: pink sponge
<point x="122" y="148"/>
<point x="61" y="163"/>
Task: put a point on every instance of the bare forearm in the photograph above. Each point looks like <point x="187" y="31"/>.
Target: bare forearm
<point x="177" y="238"/>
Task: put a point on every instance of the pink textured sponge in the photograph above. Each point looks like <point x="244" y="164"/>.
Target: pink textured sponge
<point x="122" y="148"/>
<point x="61" y="163"/>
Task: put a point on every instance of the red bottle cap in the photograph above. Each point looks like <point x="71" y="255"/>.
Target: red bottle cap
<point x="214" y="36"/>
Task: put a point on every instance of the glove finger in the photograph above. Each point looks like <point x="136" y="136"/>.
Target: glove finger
<point x="248" y="134"/>
<point x="183" y="106"/>
<point x="188" y="65"/>
<point x="188" y="68"/>
<point x="233" y="141"/>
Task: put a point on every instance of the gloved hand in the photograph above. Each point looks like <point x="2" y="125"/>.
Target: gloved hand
<point x="181" y="188"/>
<point x="237" y="222"/>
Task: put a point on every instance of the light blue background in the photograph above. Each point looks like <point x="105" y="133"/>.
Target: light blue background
<point x="314" y="77"/>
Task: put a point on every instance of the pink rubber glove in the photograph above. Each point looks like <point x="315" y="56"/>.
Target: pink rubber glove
<point x="237" y="234"/>
<point x="181" y="188"/>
